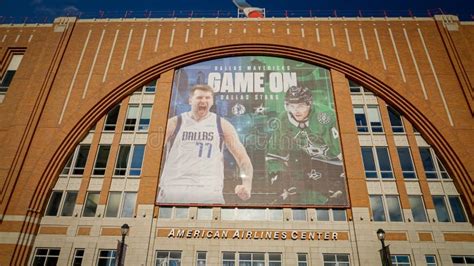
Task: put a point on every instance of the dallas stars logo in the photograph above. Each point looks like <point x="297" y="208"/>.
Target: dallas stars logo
<point x="260" y="110"/>
<point x="314" y="175"/>
<point x="313" y="150"/>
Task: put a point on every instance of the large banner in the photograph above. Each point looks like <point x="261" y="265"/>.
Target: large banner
<point x="252" y="131"/>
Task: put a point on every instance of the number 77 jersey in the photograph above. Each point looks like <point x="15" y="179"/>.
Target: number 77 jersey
<point x="194" y="155"/>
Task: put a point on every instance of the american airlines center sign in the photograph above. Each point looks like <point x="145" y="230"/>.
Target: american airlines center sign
<point x="252" y="131"/>
<point x="241" y="234"/>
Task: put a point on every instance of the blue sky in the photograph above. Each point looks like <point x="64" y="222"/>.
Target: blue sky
<point x="19" y="9"/>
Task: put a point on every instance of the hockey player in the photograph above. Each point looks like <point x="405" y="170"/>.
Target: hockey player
<point x="193" y="171"/>
<point x="304" y="162"/>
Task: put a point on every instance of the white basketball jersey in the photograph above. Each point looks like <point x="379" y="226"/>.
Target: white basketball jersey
<point x="194" y="155"/>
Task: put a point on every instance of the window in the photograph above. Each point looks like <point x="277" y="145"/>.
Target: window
<point x="229" y="214"/>
<point x="395" y="120"/>
<point x="434" y="169"/>
<point x="360" y="119"/>
<point x="417" y="208"/>
<point x="137" y="159"/>
<point x="375" y="122"/>
<point x="376" y="205"/>
<point x="168" y="258"/>
<point x="367" y="118"/>
<point x="150" y="87"/>
<point x="132" y="118"/>
<point x="10" y="73"/>
<point x="111" y="119"/>
<point x="129" y="160"/>
<point x="441" y="209"/>
<point x="356" y="88"/>
<point x="430" y="260"/>
<point x="201" y="258"/>
<point x="275" y="214"/>
<point x="113" y="204"/>
<point x="369" y="162"/>
<point x="121" y="203"/>
<point x="457" y="209"/>
<point x="442" y="171"/>
<point x="101" y="160"/>
<point x="376" y="162"/>
<point x="299" y="214"/>
<point x="455" y="212"/>
<point x="380" y="213"/>
<point x="107" y="257"/>
<point x="302" y="259"/>
<point x="322" y="214"/>
<point x="67" y="168"/>
<point x="251" y="214"/>
<point x="122" y="160"/>
<point x="228" y="258"/>
<point x="77" y="160"/>
<point x="69" y="203"/>
<point x="181" y="213"/>
<point x="336" y="259"/>
<point x="138" y="117"/>
<point x="78" y="257"/>
<point x="394" y="210"/>
<point x="54" y="202"/>
<point x="339" y="215"/>
<point x="274" y="259"/>
<point x="165" y="212"/>
<point x="251" y="259"/>
<point x="406" y="162"/>
<point x="204" y="213"/>
<point x="128" y="206"/>
<point x="462" y="260"/>
<point x="384" y="162"/>
<point x="145" y="116"/>
<point x="81" y="160"/>
<point x="428" y="163"/>
<point x="57" y="202"/>
<point x="92" y="200"/>
<point x="46" y="256"/>
<point x="400" y="260"/>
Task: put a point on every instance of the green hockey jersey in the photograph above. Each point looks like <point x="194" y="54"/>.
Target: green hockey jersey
<point x="303" y="161"/>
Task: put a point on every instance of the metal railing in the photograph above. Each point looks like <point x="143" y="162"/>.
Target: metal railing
<point x="462" y="14"/>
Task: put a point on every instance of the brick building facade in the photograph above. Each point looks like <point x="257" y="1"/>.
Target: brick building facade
<point x="62" y="81"/>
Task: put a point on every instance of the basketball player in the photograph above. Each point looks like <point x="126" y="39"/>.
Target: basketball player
<point x="194" y="166"/>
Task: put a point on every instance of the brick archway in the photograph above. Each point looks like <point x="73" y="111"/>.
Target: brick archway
<point x="439" y="135"/>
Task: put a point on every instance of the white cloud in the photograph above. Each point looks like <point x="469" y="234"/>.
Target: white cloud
<point x="43" y="10"/>
<point x="46" y="11"/>
<point x="71" y="10"/>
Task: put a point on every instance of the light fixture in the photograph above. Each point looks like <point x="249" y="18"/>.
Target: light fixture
<point x="381" y="234"/>
<point x="124" y="229"/>
<point x="385" y="251"/>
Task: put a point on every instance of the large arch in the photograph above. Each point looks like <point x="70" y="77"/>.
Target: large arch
<point x="436" y="130"/>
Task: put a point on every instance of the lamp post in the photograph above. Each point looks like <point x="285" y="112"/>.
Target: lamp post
<point x="385" y="251"/>
<point x="124" y="230"/>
